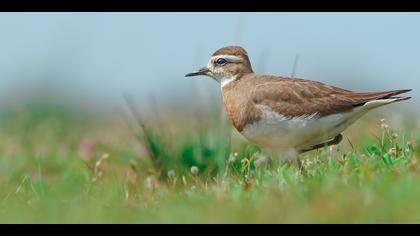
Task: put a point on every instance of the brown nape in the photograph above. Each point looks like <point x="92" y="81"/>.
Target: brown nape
<point x="238" y="69"/>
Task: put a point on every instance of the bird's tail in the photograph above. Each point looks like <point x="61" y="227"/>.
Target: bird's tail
<point x="379" y="98"/>
<point x="384" y="98"/>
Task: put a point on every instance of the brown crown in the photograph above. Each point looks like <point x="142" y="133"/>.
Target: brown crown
<point x="231" y="50"/>
<point x="239" y="52"/>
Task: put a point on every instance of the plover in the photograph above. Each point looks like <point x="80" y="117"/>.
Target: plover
<point x="287" y="114"/>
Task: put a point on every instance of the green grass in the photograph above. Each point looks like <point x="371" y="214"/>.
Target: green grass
<point x="66" y="166"/>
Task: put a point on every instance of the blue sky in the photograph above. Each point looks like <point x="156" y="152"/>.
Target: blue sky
<point x="99" y="56"/>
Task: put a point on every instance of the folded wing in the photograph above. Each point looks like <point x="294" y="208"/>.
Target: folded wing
<point x="297" y="97"/>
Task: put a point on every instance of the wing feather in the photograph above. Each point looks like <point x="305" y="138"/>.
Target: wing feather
<point x="297" y="97"/>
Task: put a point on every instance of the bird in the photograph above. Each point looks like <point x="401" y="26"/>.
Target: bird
<point x="283" y="113"/>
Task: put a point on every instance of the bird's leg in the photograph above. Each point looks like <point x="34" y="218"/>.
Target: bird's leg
<point x="337" y="139"/>
<point x="293" y="156"/>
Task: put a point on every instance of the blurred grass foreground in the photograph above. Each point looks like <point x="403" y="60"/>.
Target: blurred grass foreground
<point x="63" y="165"/>
<point x="72" y="150"/>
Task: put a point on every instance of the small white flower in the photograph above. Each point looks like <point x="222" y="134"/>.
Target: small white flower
<point x="384" y="126"/>
<point x="194" y="170"/>
<point x="232" y="159"/>
<point x="307" y="163"/>
<point x="171" y="174"/>
<point x="392" y="151"/>
<point x="97" y="164"/>
<point x="151" y="183"/>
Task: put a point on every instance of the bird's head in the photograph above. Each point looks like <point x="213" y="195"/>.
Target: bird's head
<point x="226" y="64"/>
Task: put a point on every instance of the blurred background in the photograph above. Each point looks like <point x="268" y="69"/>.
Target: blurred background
<point x="91" y="59"/>
<point x="99" y="124"/>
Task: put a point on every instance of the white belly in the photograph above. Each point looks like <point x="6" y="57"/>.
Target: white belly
<point x="281" y="133"/>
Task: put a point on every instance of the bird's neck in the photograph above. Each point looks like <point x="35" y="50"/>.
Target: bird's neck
<point x="226" y="80"/>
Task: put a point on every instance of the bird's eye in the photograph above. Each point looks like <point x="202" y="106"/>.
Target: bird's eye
<point x="221" y="61"/>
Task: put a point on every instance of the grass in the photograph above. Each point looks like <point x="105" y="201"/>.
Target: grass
<point x="65" y="166"/>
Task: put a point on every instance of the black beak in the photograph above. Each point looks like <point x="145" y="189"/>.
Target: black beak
<point x="202" y="71"/>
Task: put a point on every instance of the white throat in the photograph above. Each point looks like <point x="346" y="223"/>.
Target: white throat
<point x="226" y="80"/>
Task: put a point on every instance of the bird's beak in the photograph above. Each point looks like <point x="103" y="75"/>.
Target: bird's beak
<point x="202" y="71"/>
